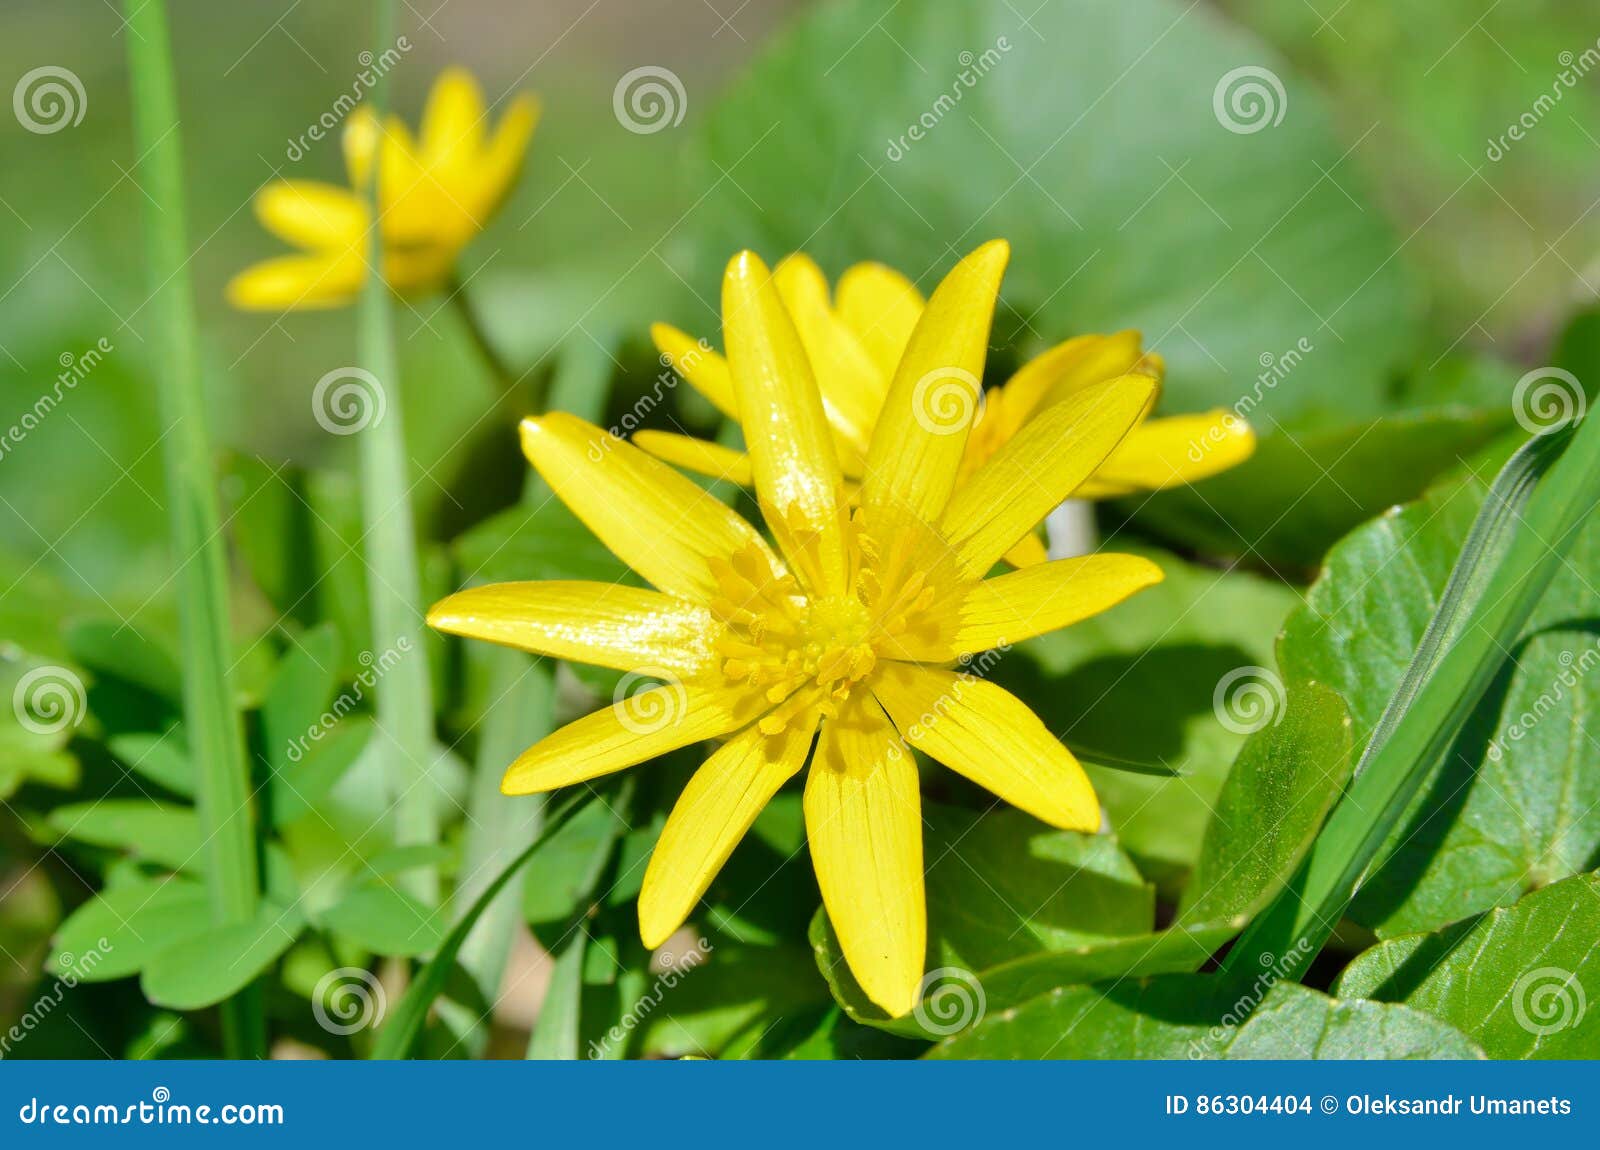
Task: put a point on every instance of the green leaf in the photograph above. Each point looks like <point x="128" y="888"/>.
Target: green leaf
<point x="1513" y="979"/>
<point x="161" y="758"/>
<point x="1129" y="205"/>
<point x="160" y="833"/>
<point x="121" y="929"/>
<point x="1513" y="805"/>
<point x="537" y="541"/>
<point x="722" y="1004"/>
<point x="1097" y="683"/>
<point x="117" y="651"/>
<point x="303" y="684"/>
<point x="385" y="920"/>
<point x="1305" y="488"/>
<point x="400" y="1033"/>
<point x="1193" y="1016"/>
<point x="203" y="970"/>
<point x="1275" y="800"/>
<point x="1003" y="887"/>
<point x="304" y="781"/>
<point x="569" y="864"/>
<point x="555" y="1033"/>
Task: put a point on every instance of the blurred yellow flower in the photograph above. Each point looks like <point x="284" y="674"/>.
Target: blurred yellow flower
<point x="855" y="341"/>
<point x="435" y="193"/>
<point x="849" y="630"/>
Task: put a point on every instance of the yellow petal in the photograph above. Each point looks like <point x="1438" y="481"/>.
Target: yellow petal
<point x="710" y="817"/>
<point x="452" y="123"/>
<point x="696" y="361"/>
<point x="661" y="524"/>
<point x="882" y="307"/>
<point x="1054" y="452"/>
<point x="852" y="386"/>
<point x="921" y="433"/>
<point x="640" y="725"/>
<point x="606" y="624"/>
<point x="1010" y="608"/>
<point x="312" y="215"/>
<point x="797" y="477"/>
<point x="1027" y="551"/>
<point x="360" y="143"/>
<point x="698" y="455"/>
<point x="1068" y="367"/>
<point x="864" y="825"/>
<point x="298" y="282"/>
<point x="501" y="161"/>
<point x="1169" y="452"/>
<point x="989" y="735"/>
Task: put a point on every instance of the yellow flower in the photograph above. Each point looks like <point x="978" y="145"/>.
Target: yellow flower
<point x="435" y="194"/>
<point x="848" y="630"/>
<point x="855" y="341"/>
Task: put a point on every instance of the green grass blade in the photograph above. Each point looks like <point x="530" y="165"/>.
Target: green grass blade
<point x="400" y="1033"/>
<point x="405" y="696"/>
<point x="212" y="722"/>
<point x="1533" y="511"/>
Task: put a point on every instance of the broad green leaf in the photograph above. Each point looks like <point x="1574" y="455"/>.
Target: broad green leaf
<point x="307" y="776"/>
<point x="536" y="541"/>
<point x="117" y="651"/>
<point x="1139" y="683"/>
<point x="1515" y="979"/>
<point x="303" y="684"/>
<point x="1194" y="1016"/>
<point x="1277" y="795"/>
<point x="1000" y="888"/>
<point x="1305" y="488"/>
<point x="722" y="1004"/>
<point x="1133" y="203"/>
<point x="160" y="833"/>
<point x="1513" y="805"/>
<point x="204" y="970"/>
<point x="121" y="929"/>
<point x="385" y="920"/>
<point x="161" y="758"/>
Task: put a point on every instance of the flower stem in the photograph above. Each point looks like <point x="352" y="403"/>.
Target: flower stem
<point x="394" y="588"/>
<point x="213" y="727"/>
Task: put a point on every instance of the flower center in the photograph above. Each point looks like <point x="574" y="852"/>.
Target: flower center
<point x="802" y="651"/>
